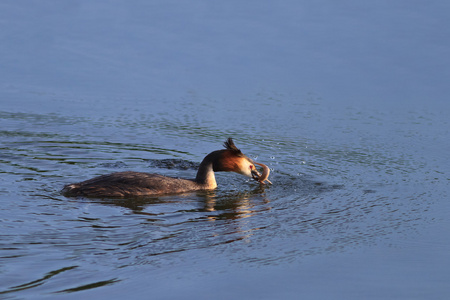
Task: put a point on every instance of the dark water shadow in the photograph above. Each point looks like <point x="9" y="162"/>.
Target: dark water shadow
<point x="37" y="282"/>
<point x="178" y="164"/>
<point x="89" y="286"/>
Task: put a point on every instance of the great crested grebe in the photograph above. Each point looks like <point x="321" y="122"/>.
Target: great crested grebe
<point x="129" y="184"/>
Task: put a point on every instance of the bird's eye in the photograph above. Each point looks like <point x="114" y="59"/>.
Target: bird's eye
<point x="251" y="167"/>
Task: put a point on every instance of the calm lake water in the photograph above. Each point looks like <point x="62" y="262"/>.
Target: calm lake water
<point x="346" y="103"/>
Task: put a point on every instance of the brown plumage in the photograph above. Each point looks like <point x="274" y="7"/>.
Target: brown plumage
<point x="129" y="184"/>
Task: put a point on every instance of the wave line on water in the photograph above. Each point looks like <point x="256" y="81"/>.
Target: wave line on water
<point x="37" y="282"/>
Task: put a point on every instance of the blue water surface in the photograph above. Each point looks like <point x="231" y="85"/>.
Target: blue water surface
<point x="345" y="101"/>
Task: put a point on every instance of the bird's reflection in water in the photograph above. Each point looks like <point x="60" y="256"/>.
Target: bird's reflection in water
<point x="227" y="211"/>
<point x="223" y="205"/>
<point x="232" y="211"/>
<point x="237" y="205"/>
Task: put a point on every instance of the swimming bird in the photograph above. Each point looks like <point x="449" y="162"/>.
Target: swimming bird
<point x="131" y="184"/>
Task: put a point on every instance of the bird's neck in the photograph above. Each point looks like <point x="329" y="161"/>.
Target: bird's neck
<point x="205" y="175"/>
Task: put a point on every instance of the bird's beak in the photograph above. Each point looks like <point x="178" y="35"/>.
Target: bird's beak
<point x="255" y="174"/>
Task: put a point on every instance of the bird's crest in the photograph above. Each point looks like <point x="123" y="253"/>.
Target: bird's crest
<point x="229" y="145"/>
